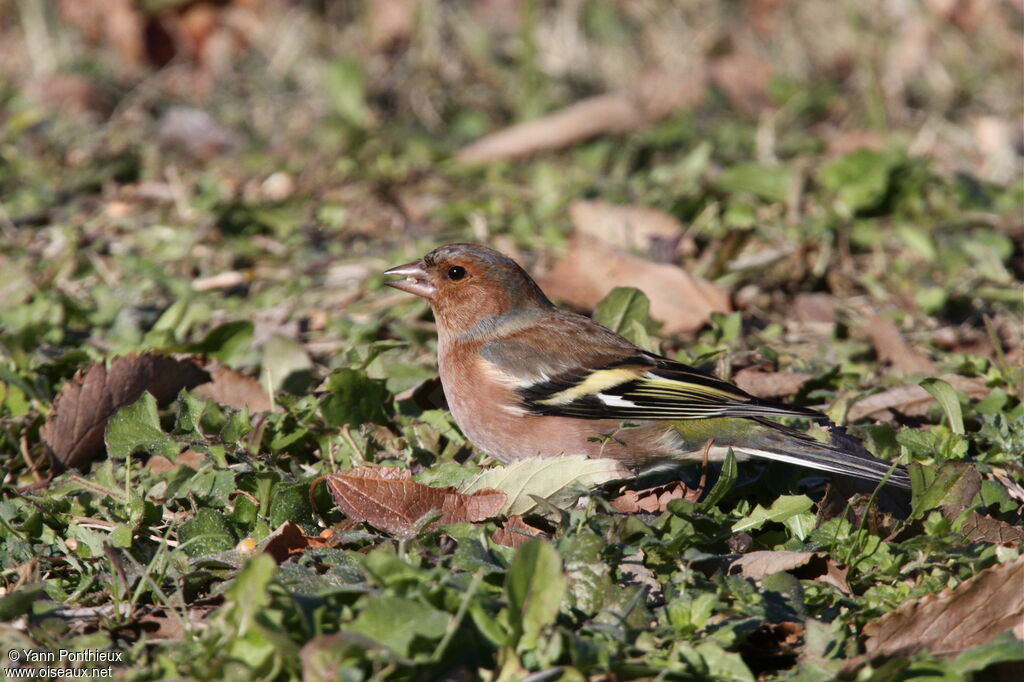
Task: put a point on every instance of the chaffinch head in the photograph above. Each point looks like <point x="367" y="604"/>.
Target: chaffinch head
<point x="525" y="378"/>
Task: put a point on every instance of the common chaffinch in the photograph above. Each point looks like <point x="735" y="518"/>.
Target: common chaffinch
<point x="526" y="378"/>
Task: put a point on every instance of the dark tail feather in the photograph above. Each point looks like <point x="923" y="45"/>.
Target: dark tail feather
<point x="843" y="455"/>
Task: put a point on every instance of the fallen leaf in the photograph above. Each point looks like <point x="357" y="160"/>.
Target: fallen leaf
<point x="287" y="539"/>
<point x="744" y="78"/>
<point x="73" y="432"/>
<point x="757" y="565"/>
<point x="656" y="96"/>
<point x="514" y="532"/>
<point x="389" y="499"/>
<point x="978" y="527"/>
<point x="235" y="389"/>
<point x="803" y="565"/>
<point x="968" y="615"/>
<point x="769" y="384"/>
<point x="913" y="400"/>
<point x="590" y="270"/>
<point x="390" y="23"/>
<point x="652" y="500"/>
<point x="817" y="312"/>
<point x="558" y="480"/>
<point x="639" y="228"/>
<point x="891" y="347"/>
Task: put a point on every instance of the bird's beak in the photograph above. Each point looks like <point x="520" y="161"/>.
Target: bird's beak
<point x="415" y="282"/>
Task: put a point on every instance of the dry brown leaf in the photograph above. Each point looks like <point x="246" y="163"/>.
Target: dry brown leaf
<point x="73" y="433"/>
<point x="914" y="400"/>
<point x="757" y="565"/>
<point x="817" y="312"/>
<point x="652" y="500"/>
<point x="891" y="347"/>
<point x="744" y="78"/>
<point x="514" y="532"/>
<point x="657" y="95"/>
<point x="769" y="384"/>
<point x="235" y="389"/>
<point x="987" y="529"/>
<point x="286" y="540"/>
<point x="628" y="227"/>
<point x="968" y="615"/>
<point x="590" y="270"/>
<point x="803" y="565"/>
<point x="389" y="499"/>
<point x="390" y="23"/>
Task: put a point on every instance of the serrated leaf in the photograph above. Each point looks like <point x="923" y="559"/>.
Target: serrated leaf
<point x="559" y="480"/>
<point x="783" y="508"/>
<point x="137" y="427"/>
<point x="354" y="399"/>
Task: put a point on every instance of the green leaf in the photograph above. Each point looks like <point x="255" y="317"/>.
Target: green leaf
<point x="121" y="536"/>
<point x="559" y="480"/>
<point x="534" y="587"/>
<point x="860" y="180"/>
<point x="137" y="427"/>
<point x="20" y="600"/>
<point x="725" y="480"/>
<point x="207" y="533"/>
<point x="228" y="342"/>
<point x="345" y="87"/>
<point x="767" y="182"/>
<point x="782" y="508"/>
<point x="946" y="395"/>
<point x="621" y="307"/>
<point x="355" y="399"/>
<point x="398" y="623"/>
<point x="931" y="486"/>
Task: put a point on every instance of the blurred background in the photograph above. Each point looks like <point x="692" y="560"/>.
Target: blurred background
<point x="167" y="165"/>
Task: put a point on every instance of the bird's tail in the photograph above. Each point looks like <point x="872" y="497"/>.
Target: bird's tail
<point x="844" y="454"/>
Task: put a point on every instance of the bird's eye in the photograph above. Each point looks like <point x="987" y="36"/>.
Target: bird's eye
<point x="456" y="272"/>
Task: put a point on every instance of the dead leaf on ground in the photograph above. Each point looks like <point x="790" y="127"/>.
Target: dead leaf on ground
<point x="235" y="389"/>
<point x="891" y="347"/>
<point x="978" y="527"/>
<point x="769" y="384"/>
<point x="515" y="532"/>
<point x="913" y="400"/>
<point x="560" y="480"/>
<point x="657" y="95"/>
<point x="639" y="228"/>
<point x="288" y="539"/>
<point x="652" y="500"/>
<point x="968" y="615"/>
<point x="390" y="23"/>
<point x="390" y="500"/>
<point x="744" y="78"/>
<point x="590" y="270"/>
<point x="158" y="464"/>
<point x="73" y="432"/>
<point x="803" y="565"/>
<point x="816" y="311"/>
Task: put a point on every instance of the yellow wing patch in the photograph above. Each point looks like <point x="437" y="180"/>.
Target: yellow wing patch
<point x="596" y="382"/>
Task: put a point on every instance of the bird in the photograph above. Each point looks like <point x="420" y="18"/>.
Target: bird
<point x="525" y="378"/>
